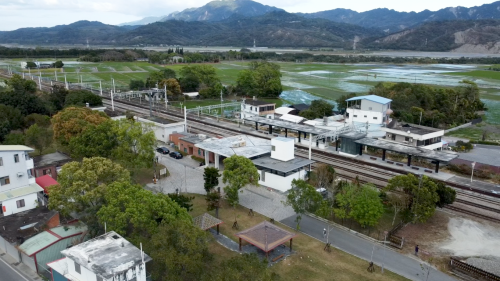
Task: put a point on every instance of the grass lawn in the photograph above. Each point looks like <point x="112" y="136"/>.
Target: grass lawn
<point x="310" y="261"/>
<point x="489" y="74"/>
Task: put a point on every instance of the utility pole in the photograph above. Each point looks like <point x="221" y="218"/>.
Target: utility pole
<point x="66" y="82"/>
<point x="100" y="87"/>
<point x="166" y="97"/>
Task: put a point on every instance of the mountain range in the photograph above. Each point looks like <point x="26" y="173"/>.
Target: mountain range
<point x="239" y="22"/>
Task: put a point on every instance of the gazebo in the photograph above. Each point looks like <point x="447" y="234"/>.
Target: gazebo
<point x="266" y="236"/>
<point x="207" y="221"/>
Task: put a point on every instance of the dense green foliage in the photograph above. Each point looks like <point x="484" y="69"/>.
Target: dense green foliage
<point x="360" y="202"/>
<point x="438" y="107"/>
<point x="82" y="97"/>
<point x="211" y="177"/>
<point x="302" y="197"/>
<point x="39" y="137"/>
<point x="262" y="79"/>
<point x="239" y="171"/>
<point x="318" y="109"/>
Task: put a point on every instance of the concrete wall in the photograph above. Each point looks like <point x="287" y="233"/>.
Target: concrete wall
<point x="367" y="104"/>
<point x="30" y="202"/>
<point x="11" y="168"/>
<point x="357" y="115"/>
<point x="12" y="251"/>
<point x="282" y="150"/>
<point x="278" y="182"/>
<point x="29" y="261"/>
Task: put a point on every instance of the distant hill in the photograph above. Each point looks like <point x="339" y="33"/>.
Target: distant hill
<point x="479" y="36"/>
<point x="222" y="9"/>
<point x="393" y="21"/>
<point x="275" y="29"/>
<point x="75" y="33"/>
<point x="146" y="20"/>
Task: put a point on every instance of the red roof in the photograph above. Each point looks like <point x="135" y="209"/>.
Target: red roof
<point x="45" y="181"/>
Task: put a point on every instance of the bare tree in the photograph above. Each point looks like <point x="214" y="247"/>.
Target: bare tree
<point x="399" y="202"/>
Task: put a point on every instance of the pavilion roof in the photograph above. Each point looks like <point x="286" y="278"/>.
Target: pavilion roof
<point x="265" y="236"/>
<point x="206" y="221"/>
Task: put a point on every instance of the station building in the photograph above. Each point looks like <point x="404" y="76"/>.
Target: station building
<point x="372" y="109"/>
<point x="414" y="135"/>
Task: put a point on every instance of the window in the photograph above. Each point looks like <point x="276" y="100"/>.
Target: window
<point x="20" y="203"/>
<point x="16" y="158"/>
<point x="199" y="151"/>
<point x="263" y="175"/>
<point x="273" y="148"/>
<point x="30" y="175"/>
<point x="47" y="172"/>
<point x="365" y="116"/>
<point x="4" y="180"/>
<point x="77" y="268"/>
<point x="185" y="150"/>
<point x="250" y="108"/>
<point x="256" y="109"/>
<point x="1" y="161"/>
<point x="375" y="118"/>
<point x="355" y="116"/>
<point x="407" y="139"/>
<point x="27" y="156"/>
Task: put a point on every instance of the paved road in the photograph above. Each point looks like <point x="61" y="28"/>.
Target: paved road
<point x="406" y="266"/>
<point x="8" y="273"/>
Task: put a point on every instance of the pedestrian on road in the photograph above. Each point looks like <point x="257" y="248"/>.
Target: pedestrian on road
<point x="416" y="250"/>
<point x="324" y="232"/>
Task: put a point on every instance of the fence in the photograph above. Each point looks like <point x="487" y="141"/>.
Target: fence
<point x="395" y="240"/>
<point x="471" y="270"/>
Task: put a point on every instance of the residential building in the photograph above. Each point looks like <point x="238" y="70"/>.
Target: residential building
<point x="46" y="246"/>
<point x="278" y="170"/>
<point x="414" y="135"/>
<point x="50" y="164"/>
<point x="162" y="127"/>
<point x="106" y="257"/>
<point x="18" y="189"/>
<point x="187" y="145"/>
<point x="372" y="109"/>
<point x="251" y="108"/>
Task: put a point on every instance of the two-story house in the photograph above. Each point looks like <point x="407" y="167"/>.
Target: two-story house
<point x="108" y="257"/>
<point x="372" y="109"/>
<point x="414" y="135"/>
<point x="253" y="108"/>
<point x="18" y="188"/>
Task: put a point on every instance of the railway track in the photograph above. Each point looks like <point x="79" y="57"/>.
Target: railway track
<point x="348" y="168"/>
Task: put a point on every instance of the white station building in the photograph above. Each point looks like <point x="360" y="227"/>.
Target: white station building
<point x="372" y="109"/>
<point x="18" y="188"/>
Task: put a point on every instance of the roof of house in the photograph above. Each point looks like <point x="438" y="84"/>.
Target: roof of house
<point x="46" y="181"/>
<point x="288" y="125"/>
<point x="15" y="148"/>
<point x="192" y="139"/>
<point x="43" y="240"/>
<point x="258" y="102"/>
<point x="412" y="128"/>
<point x="300" y="106"/>
<point x="206" y="221"/>
<point x="56" y="159"/>
<point x="30" y="221"/>
<point x="373" y="98"/>
<point x="292" y="118"/>
<point x="265" y="236"/>
<point x="20" y="191"/>
<point x="281" y="166"/>
<point x="106" y="255"/>
<point x="283" y="110"/>
<point x="226" y="147"/>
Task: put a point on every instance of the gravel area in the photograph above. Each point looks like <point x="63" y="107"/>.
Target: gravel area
<point x="491" y="266"/>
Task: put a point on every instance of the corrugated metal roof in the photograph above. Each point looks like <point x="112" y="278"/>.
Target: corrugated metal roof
<point x="373" y="98"/>
<point x="283" y="110"/>
<point x="15" y="148"/>
<point x="46" y="238"/>
<point x="292" y="118"/>
<point x="21" y="191"/>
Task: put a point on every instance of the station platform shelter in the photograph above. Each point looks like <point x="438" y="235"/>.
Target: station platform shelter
<point x="353" y="143"/>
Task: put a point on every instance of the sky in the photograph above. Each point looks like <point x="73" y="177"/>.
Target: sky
<point x="16" y="14"/>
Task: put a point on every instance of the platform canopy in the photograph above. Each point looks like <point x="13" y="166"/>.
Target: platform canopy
<point x="288" y="125"/>
<point x="265" y="236"/>
<point x="206" y="221"/>
<point x="408" y="150"/>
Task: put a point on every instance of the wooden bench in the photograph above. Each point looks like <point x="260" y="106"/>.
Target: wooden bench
<point x="415" y="168"/>
<point x="428" y="171"/>
<point x="278" y="257"/>
<point x="373" y="158"/>
<point x="389" y="162"/>
<point x="400" y="164"/>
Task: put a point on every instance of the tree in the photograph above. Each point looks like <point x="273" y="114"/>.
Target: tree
<point x="179" y="251"/>
<point x="302" y="197"/>
<point x="182" y="200"/>
<point x="30" y="64"/>
<point x="72" y="121"/>
<point x="35" y="118"/>
<point x="262" y="79"/>
<point x="39" y="137"/>
<point x="206" y="74"/>
<point x="135" y="143"/>
<point x="342" y="101"/>
<point x="318" y="109"/>
<point x="189" y="83"/>
<point x="95" y="141"/>
<point x="82" y="187"/>
<point x="135" y="212"/>
<point x="14" y="138"/>
<point x="58" y="64"/>
<point x="155" y="77"/>
<point x="422" y="194"/>
<point x="447" y="195"/>
<point x="345" y="199"/>
<point x="399" y="202"/>
<point x="10" y="119"/>
<point x="173" y="86"/>
<point x="81" y="98"/>
<point x="57" y="97"/>
<point x="136" y="85"/>
<point x="367" y="208"/>
<point x="211" y="177"/>
<point x="239" y="171"/>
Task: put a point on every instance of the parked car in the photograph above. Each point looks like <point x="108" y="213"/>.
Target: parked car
<point x="163" y="150"/>
<point x="175" y="154"/>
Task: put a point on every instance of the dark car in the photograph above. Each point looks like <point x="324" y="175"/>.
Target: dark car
<point x="175" y="154"/>
<point x="163" y="150"/>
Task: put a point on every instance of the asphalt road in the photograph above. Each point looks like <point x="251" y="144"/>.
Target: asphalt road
<point x="7" y="273"/>
<point x="403" y="265"/>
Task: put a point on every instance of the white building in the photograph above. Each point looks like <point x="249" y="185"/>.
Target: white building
<point x="162" y="128"/>
<point x="414" y="135"/>
<point x="252" y="108"/>
<point x="281" y="168"/>
<point x="108" y="257"/>
<point x="18" y="189"/>
<point x="372" y="109"/>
